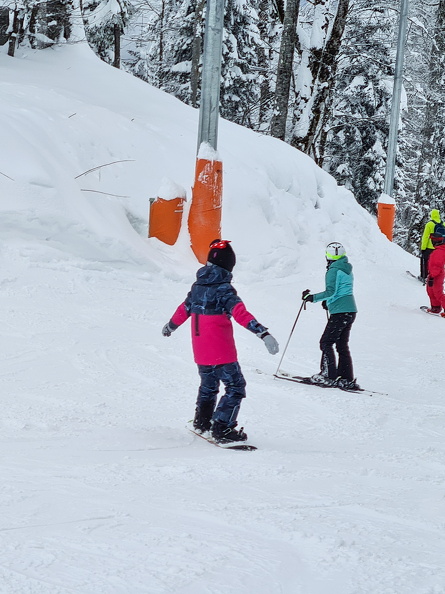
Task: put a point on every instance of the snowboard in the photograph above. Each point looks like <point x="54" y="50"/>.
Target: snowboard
<point x="241" y="446"/>
<point x="425" y="308"/>
<point x="415" y="276"/>
<point x="308" y="381"/>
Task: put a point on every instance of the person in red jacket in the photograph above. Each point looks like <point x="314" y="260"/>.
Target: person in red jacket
<point x="436" y="274"/>
<point x="211" y="303"/>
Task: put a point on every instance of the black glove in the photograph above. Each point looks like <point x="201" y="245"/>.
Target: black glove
<point x="430" y="281"/>
<point x="324" y="305"/>
<point x="306" y="295"/>
<point x="167" y="329"/>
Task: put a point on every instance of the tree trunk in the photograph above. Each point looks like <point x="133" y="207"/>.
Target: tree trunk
<point x="117" y="45"/>
<point x="264" y="60"/>
<point x="161" y="33"/>
<point x="13" y="34"/>
<point x="33" y="26"/>
<point x="196" y="52"/>
<point x="284" y="70"/>
<point x="279" y="7"/>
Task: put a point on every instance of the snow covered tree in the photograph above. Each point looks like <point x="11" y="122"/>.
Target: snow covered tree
<point x="316" y="74"/>
<point x="411" y="210"/>
<point x="169" y="55"/>
<point x="168" y="47"/>
<point x="141" y="59"/>
<point x="430" y="180"/>
<point x="24" y="19"/>
<point x="270" y="19"/>
<point x="181" y="69"/>
<point x="105" y="23"/>
<point x="240" y="89"/>
<point x="356" y="133"/>
<point x="41" y="24"/>
<point x="14" y="26"/>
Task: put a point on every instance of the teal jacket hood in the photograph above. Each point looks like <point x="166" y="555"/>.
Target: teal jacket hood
<point x="342" y="264"/>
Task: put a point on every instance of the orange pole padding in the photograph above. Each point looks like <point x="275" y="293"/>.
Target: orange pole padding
<point x="385" y="218"/>
<point x="205" y="211"/>
<point x="165" y="219"/>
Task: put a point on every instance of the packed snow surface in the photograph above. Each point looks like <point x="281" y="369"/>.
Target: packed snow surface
<point x="104" y="489"/>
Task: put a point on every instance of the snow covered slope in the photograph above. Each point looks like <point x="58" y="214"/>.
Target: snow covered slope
<point x="104" y="490"/>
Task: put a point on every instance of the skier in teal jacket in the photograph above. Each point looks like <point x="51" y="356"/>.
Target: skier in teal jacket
<point x="338" y="299"/>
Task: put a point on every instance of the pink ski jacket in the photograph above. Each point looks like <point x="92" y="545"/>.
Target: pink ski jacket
<point x="436" y="265"/>
<point x="211" y="303"/>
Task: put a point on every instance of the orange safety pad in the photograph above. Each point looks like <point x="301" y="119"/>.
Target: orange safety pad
<point x="204" y="220"/>
<point x="165" y="219"/>
<point x="385" y="218"/>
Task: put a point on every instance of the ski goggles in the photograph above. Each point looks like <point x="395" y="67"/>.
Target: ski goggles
<point x="220" y="244"/>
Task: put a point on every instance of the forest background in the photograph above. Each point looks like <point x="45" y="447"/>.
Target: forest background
<point x="317" y="74"/>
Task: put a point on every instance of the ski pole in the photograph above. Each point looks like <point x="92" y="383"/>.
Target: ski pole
<point x="290" y="335"/>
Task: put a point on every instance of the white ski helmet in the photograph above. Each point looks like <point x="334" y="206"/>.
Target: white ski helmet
<point x="335" y="251"/>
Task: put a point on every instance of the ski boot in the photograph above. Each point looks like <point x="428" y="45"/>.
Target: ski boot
<point x="322" y="380"/>
<point x="224" y="434"/>
<point x="345" y="384"/>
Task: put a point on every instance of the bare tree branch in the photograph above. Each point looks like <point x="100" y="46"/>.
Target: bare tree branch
<point x="105" y="165"/>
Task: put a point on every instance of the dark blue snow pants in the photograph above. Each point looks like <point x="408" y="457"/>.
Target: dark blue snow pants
<point x="337" y="332"/>
<point x="235" y="390"/>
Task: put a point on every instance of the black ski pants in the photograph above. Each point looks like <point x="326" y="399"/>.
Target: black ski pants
<point x="424" y="257"/>
<point x="337" y="333"/>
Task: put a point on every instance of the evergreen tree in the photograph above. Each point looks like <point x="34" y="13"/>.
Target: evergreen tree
<point x="146" y="30"/>
<point x="168" y="48"/>
<point x="171" y="59"/>
<point x="269" y="27"/>
<point x="410" y="211"/>
<point x="240" y="89"/>
<point x="105" y="23"/>
<point x="316" y="77"/>
<point x="357" y="132"/>
<point x="430" y="179"/>
<point x="41" y="24"/>
<point x="181" y="68"/>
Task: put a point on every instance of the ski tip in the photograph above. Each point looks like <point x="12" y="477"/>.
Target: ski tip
<point x="418" y="278"/>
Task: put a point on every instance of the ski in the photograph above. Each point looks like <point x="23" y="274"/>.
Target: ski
<point x="425" y="308"/>
<point x="415" y="276"/>
<point x="245" y="447"/>
<point x="308" y="381"/>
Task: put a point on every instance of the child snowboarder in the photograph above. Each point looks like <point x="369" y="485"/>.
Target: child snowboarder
<point x="339" y="300"/>
<point x="211" y="302"/>
<point x="436" y="274"/>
